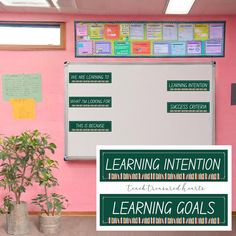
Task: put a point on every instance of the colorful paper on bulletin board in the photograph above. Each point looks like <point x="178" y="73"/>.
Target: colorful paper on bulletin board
<point x="169" y="32"/>
<point x="96" y="31"/>
<point x="141" y="48"/>
<point x="84" y="48"/>
<point x="23" y="108"/>
<point x="154" y="31"/>
<point x="160" y="48"/>
<point x="124" y="31"/>
<point x="112" y="31"/>
<point x="21" y="86"/>
<point x="216" y="31"/>
<point x="213" y="47"/>
<point x="122" y="48"/>
<point x="149" y="39"/>
<point x="178" y="48"/>
<point x="137" y="31"/>
<point x="194" y="47"/>
<point x="103" y="48"/>
<point x="185" y="32"/>
<point x="201" y="31"/>
<point x="81" y="31"/>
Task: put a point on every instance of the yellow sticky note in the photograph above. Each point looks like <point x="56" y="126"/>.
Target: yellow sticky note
<point x="23" y="108"/>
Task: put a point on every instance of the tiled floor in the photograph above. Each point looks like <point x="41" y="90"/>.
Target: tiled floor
<point x="86" y="226"/>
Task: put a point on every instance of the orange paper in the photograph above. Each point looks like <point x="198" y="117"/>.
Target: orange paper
<point x="112" y="31"/>
<point x="141" y="48"/>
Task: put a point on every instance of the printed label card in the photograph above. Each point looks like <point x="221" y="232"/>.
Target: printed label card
<point x="164" y="188"/>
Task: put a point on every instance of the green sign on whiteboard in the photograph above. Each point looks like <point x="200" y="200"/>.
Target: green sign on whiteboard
<point x="90" y="77"/>
<point x="188" y="85"/>
<point x="90" y="126"/>
<point x="188" y="107"/>
<point x="90" y="102"/>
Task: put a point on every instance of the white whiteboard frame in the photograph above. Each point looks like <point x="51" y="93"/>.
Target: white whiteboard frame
<point x="66" y="107"/>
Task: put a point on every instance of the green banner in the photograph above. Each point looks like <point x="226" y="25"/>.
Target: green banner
<point x="188" y="107"/>
<point x="188" y="85"/>
<point x="163" y="165"/>
<point x="90" y="77"/>
<point x="163" y="209"/>
<point x="90" y="102"/>
<point x="90" y="126"/>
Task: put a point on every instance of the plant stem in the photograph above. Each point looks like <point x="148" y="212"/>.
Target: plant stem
<point x="22" y="182"/>
<point x="46" y="193"/>
<point x="16" y="198"/>
<point x="53" y="211"/>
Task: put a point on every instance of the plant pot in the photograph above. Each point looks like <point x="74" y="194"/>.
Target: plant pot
<point x="49" y="224"/>
<point x="18" y="220"/>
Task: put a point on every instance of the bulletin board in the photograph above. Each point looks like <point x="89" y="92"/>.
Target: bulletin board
<point x="137" y="104"/>
<point x="149" y="39"/>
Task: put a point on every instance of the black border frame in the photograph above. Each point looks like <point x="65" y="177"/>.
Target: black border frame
<point x="146" y="22"/>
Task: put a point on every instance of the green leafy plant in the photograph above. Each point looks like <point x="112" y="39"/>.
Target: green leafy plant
<point x="24" y="160"/>
<point x="7" y="205"/>
<point x="51" y="204"/>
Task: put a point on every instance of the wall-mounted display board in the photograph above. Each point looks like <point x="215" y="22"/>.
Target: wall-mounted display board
<point x="137" y="104"/>
<point x="149" y="39"/>
<point x="164" y="188"/>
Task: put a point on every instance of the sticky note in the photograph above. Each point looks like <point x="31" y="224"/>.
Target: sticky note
<point x="23" y="108"/>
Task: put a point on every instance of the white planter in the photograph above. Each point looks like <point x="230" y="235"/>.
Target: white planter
<point x="18" y="219"/>
<point x="49" y="224"/>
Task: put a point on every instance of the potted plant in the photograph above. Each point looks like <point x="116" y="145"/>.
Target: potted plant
<point x="20" y="159"/>
<point x="51" y="206"/>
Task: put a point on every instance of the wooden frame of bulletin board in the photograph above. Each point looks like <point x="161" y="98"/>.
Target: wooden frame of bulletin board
<point x="149" y="39"/>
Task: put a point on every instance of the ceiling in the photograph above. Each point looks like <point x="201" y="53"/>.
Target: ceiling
<point x="125" y="7"/>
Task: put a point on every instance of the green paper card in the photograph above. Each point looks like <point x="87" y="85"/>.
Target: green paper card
<point x="21" y="86"/>
<point x="122" y="48"/>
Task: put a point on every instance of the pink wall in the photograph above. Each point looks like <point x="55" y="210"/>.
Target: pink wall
<point x="77" y="179"/>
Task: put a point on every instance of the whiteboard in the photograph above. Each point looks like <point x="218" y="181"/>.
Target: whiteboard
<point x="139" y="113"/>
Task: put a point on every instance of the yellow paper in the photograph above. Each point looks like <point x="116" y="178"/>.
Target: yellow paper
<point x="96" y="31"/>
<point x="23" y="108"/>
<point x="201" y="31"/>
<point x="124" y="31"/>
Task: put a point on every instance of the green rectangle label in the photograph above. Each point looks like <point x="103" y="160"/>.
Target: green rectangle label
<point x="90" y="126"/>
<point x="90" y="102"/>
<point x="90" y="77"/>
<point x="188" y="85"/>
<point x="188" y="107"/>
<point x="163" y="165"/>
<point x="163" y="209"/>
<point x="122" y="48"/>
